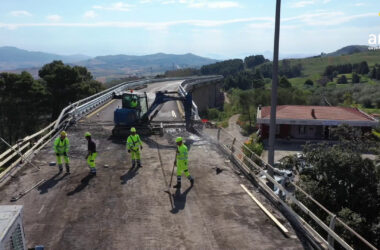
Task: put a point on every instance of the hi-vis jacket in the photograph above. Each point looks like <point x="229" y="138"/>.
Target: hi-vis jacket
<point x="61" y="146"/>
<point x="134" y="142"/>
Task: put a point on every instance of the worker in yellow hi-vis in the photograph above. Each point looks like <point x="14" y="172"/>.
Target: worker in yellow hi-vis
<point x="182" y="163"/>
<point x="134" y="145"/>
<point x="61" y="149"/>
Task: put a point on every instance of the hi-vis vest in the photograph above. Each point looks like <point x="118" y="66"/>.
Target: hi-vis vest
<point x="133" y="142"/>
<point x="61" y="146"/>
<point x="182" y="153"/>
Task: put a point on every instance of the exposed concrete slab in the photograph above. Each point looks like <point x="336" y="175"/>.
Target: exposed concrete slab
<point x="122" y="208"/>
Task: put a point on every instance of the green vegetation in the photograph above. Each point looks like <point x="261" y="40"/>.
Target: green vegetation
<point x="26" y="104"/>
<point x="345" y="183"/>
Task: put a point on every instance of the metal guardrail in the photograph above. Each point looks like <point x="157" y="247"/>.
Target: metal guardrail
<point x="20" y="154"/>
<point x="254" y="166"/>
<point x="191" y="82"/>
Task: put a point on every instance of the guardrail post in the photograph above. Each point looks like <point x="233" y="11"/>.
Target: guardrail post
<point x="232" y="147"/>
<point x="330" y="239"/>
<point x="218" y="136"/>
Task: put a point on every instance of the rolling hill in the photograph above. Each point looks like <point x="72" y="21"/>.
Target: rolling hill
<point x="156" y="63"/>
<point x="12" y="58"/>
<point x="102" y="67"/>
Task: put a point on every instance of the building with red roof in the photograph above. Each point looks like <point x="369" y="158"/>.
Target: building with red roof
<point x="312" y="122"/>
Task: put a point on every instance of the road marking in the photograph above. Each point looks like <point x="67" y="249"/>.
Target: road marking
<point x="283" y="229"/>
<point x="41" y="209"/>
<point x="99" y="109"/>
<point x="173" y="114"/>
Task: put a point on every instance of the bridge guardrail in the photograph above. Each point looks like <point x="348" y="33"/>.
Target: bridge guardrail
<point x="189" y="82"/>
<point x="254" y="166"/>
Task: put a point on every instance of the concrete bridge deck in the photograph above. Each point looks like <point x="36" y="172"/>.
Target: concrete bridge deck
<point x="122" y="208"/>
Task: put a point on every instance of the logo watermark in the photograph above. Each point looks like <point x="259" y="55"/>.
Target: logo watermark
<point x="374" y="41"/>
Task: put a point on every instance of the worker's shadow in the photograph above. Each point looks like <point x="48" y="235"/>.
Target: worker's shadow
<point x="179" y="200"/>
<point x="44" y="188"/>
<point x="83" y="183"/>
<point x="132" y="172"/>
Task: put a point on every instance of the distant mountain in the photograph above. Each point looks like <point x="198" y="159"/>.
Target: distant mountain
<point x="116" y="65"/>
<point x="349" y="50"/>
<point x="12" y="58"/>
<point x="154" y="62"/>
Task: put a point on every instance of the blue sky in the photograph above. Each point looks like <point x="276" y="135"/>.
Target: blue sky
<point x="213" y="28"/>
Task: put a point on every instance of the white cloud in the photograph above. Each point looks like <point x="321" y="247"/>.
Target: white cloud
<point x="20" y="13"/>
<point x="312" y="19"/>
<point x="204" y="3"/>
<point x="54" y="18"/>
<point x="145" y="1"/>
<point x="304" y="3"/>
<point x="325" y="18"/>
<point x="214" y="5"/>
<point x="119" y="6"/>
<point x="359" y="4"/>
<point x="301" y="4"/>
<point x="90" y="14"/>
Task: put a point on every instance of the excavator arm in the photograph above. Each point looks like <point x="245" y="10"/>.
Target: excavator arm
<point x="163" y="97"/>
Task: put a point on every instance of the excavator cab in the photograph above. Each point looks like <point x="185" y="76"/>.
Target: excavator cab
<point x="134" y="106"/>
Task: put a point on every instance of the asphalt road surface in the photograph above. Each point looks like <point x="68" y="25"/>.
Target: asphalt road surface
<point x="124" y="208"/>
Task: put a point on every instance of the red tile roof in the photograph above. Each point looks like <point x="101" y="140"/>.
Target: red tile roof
<point x="320" y="113"/>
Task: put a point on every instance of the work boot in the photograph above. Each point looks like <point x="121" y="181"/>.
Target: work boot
<point x="93" y="171"/>
<point x="68" y="168"/>
<point x="192" y="181"/>
<point x="139" y="164"/>
<point x="60" y="167"/>
<point x="133" y="163"/>
<point x="178" y="186"/>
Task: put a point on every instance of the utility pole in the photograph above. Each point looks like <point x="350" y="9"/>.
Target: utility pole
<point x="272" y="128"/>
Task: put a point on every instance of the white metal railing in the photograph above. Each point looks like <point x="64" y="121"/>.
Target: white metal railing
<point x="253" y="165"/>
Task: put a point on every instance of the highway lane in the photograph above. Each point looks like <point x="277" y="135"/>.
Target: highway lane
<point x="122" y="208"/>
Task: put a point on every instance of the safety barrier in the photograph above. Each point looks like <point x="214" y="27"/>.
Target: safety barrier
<point x="191" y="82"/>
<point x="23" y="151"/>
<point x="254" y="166"/>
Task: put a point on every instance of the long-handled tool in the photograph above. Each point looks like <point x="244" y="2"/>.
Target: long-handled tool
<point x="163" y="173"/>
<point x="171" y="178"/>
<point x="16" y="198"/>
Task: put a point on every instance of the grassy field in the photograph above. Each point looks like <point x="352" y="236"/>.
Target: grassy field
<point x="316" y="66"/>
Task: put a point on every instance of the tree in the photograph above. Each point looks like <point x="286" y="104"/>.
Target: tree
<point x="342" y="79"/>
<point x="284" y="83"/>
<point x="253" y="61"/>
<point x="344" y="182"/>
<point x="355" y="78"/>
<point x="258" y="80"/>
<point x="373" y="73"/>
<point x="246" y="105"/>
<point x="67" y="84"/>
<point x="363" y="68"/>
<point x="224" y="68"/>
<point x="309" y="83"/>
<point x="329" y="72"/>
<point x="23" y="103"/>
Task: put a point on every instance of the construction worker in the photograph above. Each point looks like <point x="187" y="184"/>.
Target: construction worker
<point x="182" y="160"/>
<point x="91" y="155"/>
<point x="61" y="149"/>
<point x="134" y="102"/>
<point x="134" y="145"/>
